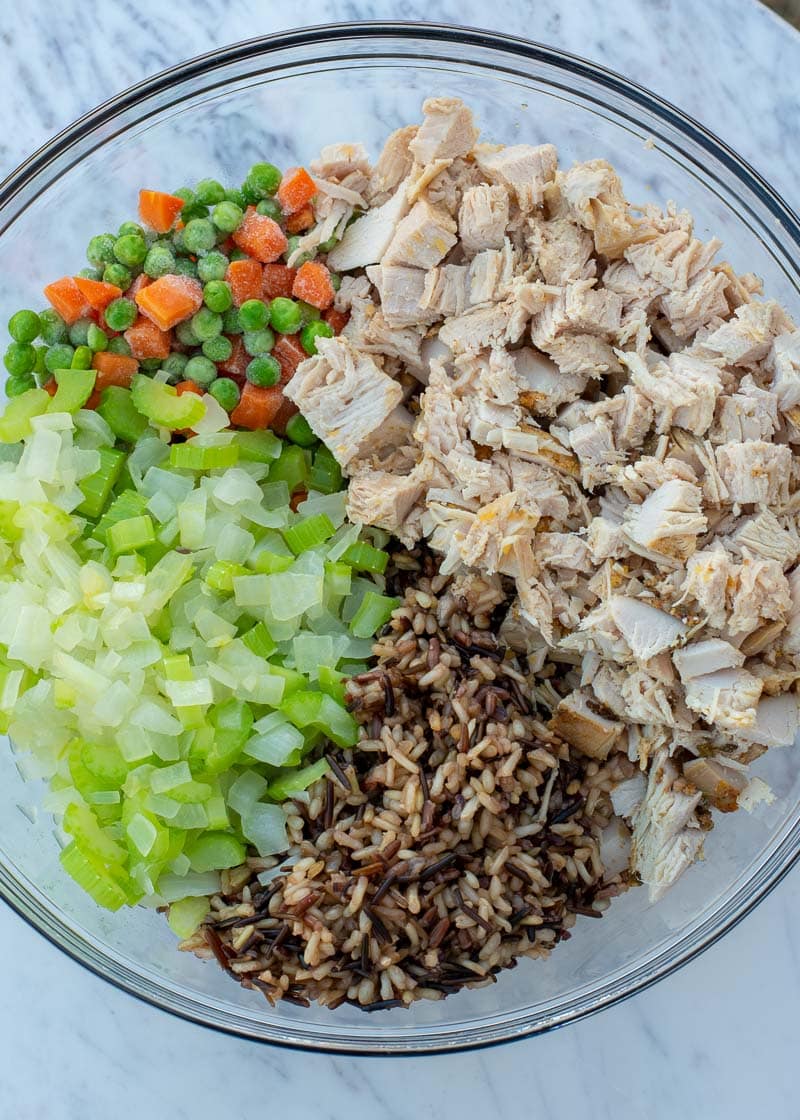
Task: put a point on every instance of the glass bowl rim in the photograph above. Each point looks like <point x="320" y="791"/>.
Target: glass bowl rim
<point x="780" y="862"/>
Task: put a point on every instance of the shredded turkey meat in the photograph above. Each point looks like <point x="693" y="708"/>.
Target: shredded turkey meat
<point x="559" y="389"/>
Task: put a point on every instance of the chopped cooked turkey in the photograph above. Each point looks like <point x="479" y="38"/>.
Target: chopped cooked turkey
<point x="344" y="395"/>
<point x="568" y="395"/>
<point x="447" y="130"/>
<point x="525" y="170"/>
<point x="666" y="832"/>
<point x="483" y="217"/>
<point x="669" y="521"/>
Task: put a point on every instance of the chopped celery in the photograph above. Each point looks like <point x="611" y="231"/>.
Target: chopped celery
<point x="97" y="487"/>
<point x="308" y="534"/>
<point x="186" y="915"/>
<point x="295" y="781"/>
<point x="331" y="682"/>
<point x="374" y="612"/>
<point x="291" y="467"/>
<point x="119" y="412"/>
<point x="161" y="404"/>
<point x="326" y="474"/>
<point x="125" y="506"/>
<point x="365" y="558"/>
<point x="338" y="577"/>
<point x="258" y="447"/>
<point x="215" y="851"/>
<point x="318" y="710"/>
<point x="220" y="576"/>
<point x="258" y="639"/>
<point x="270" y="562"/>
<point x="190" y="456"/>
<point x="109" y="887"/>
<point x="15" y="422"/>
<point x="74" y="389"/>
<point x="133" y="533"/>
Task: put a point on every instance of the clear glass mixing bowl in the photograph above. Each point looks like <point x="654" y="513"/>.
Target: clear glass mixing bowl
<point x="282" y="98"/>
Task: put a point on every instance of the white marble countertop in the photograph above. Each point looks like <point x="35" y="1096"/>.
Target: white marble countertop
<point x="717" y="1039"/>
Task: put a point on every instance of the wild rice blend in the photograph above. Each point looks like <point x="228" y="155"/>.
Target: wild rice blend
<point x="460" y="835"/>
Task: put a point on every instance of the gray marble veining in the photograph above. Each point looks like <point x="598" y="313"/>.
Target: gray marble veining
<point x="715" y="1040"/>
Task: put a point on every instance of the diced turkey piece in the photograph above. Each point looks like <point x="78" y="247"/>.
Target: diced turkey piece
<point x="647" y="630"/>
<point x="595" y="197"/>
<point x="633" y="420"/>
<point x="516" y="632"/>
<point x="562" y="550"/>
<point x="669" y="521"/>
<point x="605" y="540"/>
<point x="478" y="328"/>
<point x="703" y="302"/>
<point x="776" y="722"/>
<point x="433" y="350"/>
<point x="784" y="361"/>
<point x="490" y="274"/>
<point x="562" y="251"/>
<point x="389" y="447"/>
<point x="764" y="536"/>
<point x="708" y="656"/>
<point x="726" y="698"/>
<point x="673" y="259"/>
<point x="647" y="701"/>
<point x="753" y="794"/>
<point x="366" y="240"/>
<point x="628" y="795"/>
<point x="446" y="290"/>
<point x="708" y="574"/>
<point x="762" y="592"/>
<point x="544" y="387"/>
<point x="586" y="730"/>
<point x="683" y="390"/>
<point x="593" y="443"/>
<point x="337" y="160"/>
<point x="343" y="395"/>
<point x="394" y="163"/>
<point x="420" y="240"/>
<point x="666" y="833"/>
<point x="446" y="132"/>
<point x="615" y="848"/>
<point x="748" y="336"/>
<point x="750" y="413"/>
<point x="401" y="291"/>
<point x="720" y="783"/>
<point x="582" y="353"/>
<point x="483" y="217"/>
<point x="755" y="471"/>
<point x="592" y="310"/>
<point x="383" y="499"/>
<point x="524" y="169"/>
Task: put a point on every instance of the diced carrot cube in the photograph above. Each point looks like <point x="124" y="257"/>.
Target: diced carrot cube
<point x="313" y="284"/>
<point x="159" y="210"/>
<point x="188" y="387"/>
<point x="260" y="236"/>
<point x="336" y="319"/>
<point x="113" y="369"/>
<point x="169" y="300"/>
<point x="303" y="219"/>
<point x="278" y="280"/>
<point x="296" y="190"/>
<point x="289" y="353"/>
<point x="141" y="281"/>
<point x="146" y="340"/>
<point x="236" y="365"/>
<point x="68" y="300"/>
<point x="257" y="407"/>
<point x="244" y="278"/>
<point x="97" y="293"/>
<point x="51" y="386"/>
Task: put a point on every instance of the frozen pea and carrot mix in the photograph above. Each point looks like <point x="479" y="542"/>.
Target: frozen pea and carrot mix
<point x="398" y="560"/>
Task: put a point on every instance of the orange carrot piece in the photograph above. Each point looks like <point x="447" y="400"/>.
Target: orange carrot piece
<point x="313" y="284"/>
<point x="257" y="407"/>
<point x="297" y="498"/>
<point x="50" y="386"/>
<point x="244" y="278"/>
<point x="289" y="353"/>
<point x="278" y="280"/>
<point x="336" y="319"/>
<point x="68" y="300"/>
<point x="169" y="300"/>
<point x="159" y="210"/>
<point x="188" y="387"/>
<point x="303" y="219"/>
<point x="97" y="293"/>
<point x="296" y="190"/>
<point x="113" y="369"/>
<point x="236" y="365"/>
<point x="146" y="340"/>
<point x="141" y="281"/>
<point x="282" y="417"/>
<point x="260" y="236"/>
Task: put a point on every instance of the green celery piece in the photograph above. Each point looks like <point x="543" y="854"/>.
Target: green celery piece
<point x="15" y="422"/>
<point x="326" y="474"/>
<point x="295" y="781"/>
<point x="74" y="389"/>
<point x="231" y="724"/>
<point x="188" y="456"/>
<point x="81" y="824"/>
<point x="97" y="487"/>
<point x="215" y="851"/>
<point x="309" y="533"/>
<point x="293" y="680"/>
<point x="365" y="558"/>
<point x="221" y="574"/>
<point x="291" y="467"/>
<point x="318" y="710"/>
<point x="186" y="915"/>
<point x="161" y="404"/>
<point x="259" y="641"/>
<point x="270" y="562"/>
<point x="110" y="887"/>
<point x="331" y="683"/>
<point x="119" y="412"/>
<point x="258" y="447"/>
<point x="126" y="505"/>
<point x="9" y="529"/>
<point x="374" y="612"/>
<point x="131" y="534"/>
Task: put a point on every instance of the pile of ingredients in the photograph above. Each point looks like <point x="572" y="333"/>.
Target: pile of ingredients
<point x="397" y="561"/>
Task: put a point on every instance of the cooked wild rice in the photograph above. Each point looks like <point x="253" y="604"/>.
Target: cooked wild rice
<point x="458" y="836"/>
